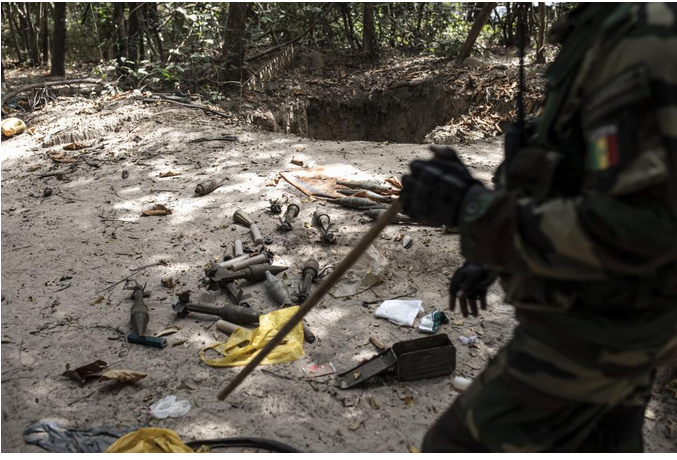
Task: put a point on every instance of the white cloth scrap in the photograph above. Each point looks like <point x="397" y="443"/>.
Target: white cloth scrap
<point x="400" y="312"/>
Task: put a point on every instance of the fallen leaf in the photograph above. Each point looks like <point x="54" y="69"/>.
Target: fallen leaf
<point x="33" y="167"/>
<point x="98" y="300"/>
<point x="74" y="146"/>
<point x="300" y="148"/>
<point x="82" y="373"/>
<point x="414" y="450"/>
<point x="184" y="386"/>
<point x="355" y="425"/>
<point x="179" y="342"/>
<point x="170" y="174"/>
<point x="297" y="161"/>
<point x="356" y="375"/>
<point x="409" y="401"/>
<point x="31" y="131"/>
<point x="157" y="210"/>
<point x="168" y="331"/>
<point x="373" y="403"/>
<point x="122" y="375"/>
<point x="649" y="414"/>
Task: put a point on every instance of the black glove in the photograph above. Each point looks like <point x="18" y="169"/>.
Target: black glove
<point x="469" y="284"/>
<point x="434" y="190"/>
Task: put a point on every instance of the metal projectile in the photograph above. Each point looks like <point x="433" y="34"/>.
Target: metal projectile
<point x="310" y="270"/>
<point x="293" y="210"/>
<point x="241" y="217"/>
<point x="139" y="313"/>
<point x="323" y="221"/>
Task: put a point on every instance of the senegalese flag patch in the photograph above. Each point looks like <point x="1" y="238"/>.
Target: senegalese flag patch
<point x="603" y="148"/>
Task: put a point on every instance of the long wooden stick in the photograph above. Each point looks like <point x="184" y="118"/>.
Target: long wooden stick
<point x="340" y="270"/>
<point x="46" y="84"/>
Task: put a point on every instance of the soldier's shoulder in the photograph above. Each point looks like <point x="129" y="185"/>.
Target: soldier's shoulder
<point x="654" y="17"/>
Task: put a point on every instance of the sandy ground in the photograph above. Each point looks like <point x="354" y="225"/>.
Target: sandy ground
<point x="57" y="252"/>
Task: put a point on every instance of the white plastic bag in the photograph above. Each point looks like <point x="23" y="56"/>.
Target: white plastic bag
<point x="400" y="312"/>
<point x="169" y="407"/>
<point x="367" y="271"/>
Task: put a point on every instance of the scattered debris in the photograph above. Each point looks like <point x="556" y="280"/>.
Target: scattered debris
<point x="157" y="210"/>
<point x="54" y="437"/>
<point x="208" y="186"/>
<point x="319" y="370"/>
<point x="369" y="270"/>
<point x="169" y="407"/>
<point x="169" y="282"/>
<point x="461" y="383"/>
<point x="380" y="346"/>
<point x="122" y="375"/>
<point x="169" y="174"/>
<point x="82" y="373"/>
<point x="75" y="146"/>
<point x="407" y="242"/>
<point x="47" y="192"/>
<point x="12" y="126"/>
<point x="472" y="340"/>
<point x="149" y="341"/>
<point x="431" y="322"/>
<point x="168" y="331"/>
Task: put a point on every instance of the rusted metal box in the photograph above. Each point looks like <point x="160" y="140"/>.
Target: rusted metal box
<point x="424" y="358"/>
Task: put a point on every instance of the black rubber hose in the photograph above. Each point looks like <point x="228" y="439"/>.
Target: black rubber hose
<point x="255" y="443"/>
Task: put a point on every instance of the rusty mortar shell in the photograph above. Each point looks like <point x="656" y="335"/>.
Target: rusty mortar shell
<point x="293" y="210"/>
<point x="213" y="266"/>
<point x="354" y="202"/>
<point x="149" y="341"/>
<point x="256" y="234"/>
<point x="253" y="273"/>
<point x="238" y="248"/>
<point x="208" y="186"/>
<point x="139" y="316"/>
<point x="241" y="217"/>
<point x="399" y="218"/>
<point x="277" y="289"/>
<point x="323" y="221"/>
<point x="367" y="194"/>
<point x="310" y="270"/>
<point x="228" y="327"/>
<point x="366" y="185"/>
<point x="239" y="265"/>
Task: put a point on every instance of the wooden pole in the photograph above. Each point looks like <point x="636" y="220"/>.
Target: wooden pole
<point x="338" y="272"/>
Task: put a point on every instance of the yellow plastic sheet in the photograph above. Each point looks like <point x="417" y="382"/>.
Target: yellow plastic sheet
<point x="243" y="345"/>
<point x="149" y="440"/>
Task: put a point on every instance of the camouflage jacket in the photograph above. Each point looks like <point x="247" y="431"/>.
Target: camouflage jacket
<point x="587" y="221"/>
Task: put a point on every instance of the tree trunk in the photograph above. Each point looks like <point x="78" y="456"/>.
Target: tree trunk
<point x="134" y="34"/>
<point x="44" y="32"/>
<point x="13" y="32"/>
<point x="121" y="32"/>
<point x="234" y="42"/>
<point x="153" y="19"/>
<point x="540" y="39"/>
<point x="348" y="25"/>
<point x="369" y="35"/>
<point x="475" y="31"/>
<point x="59" y="41"/>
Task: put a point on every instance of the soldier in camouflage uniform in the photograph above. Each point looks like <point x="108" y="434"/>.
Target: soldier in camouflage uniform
<point x="582" y="230"/>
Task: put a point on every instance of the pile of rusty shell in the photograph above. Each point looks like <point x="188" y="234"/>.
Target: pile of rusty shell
<point x="256" y="234"/>
<point x="310" y="270"/>
<point x="252" y="274"/>
<point x="293" y="210"/>
<point x="367" y="194"/>
<point x="208" y="186"/>
<point x="241" y="217"/>
<point x="277" y="289"/>
<point x="372" y="186"/>
<point x="139" y="313"/>
<point x="323" y="221"/>
<point x="354" y="202"/>
<point x="238" y="248"/>
<point x="399" y="218"/>
<point x="232" y="313"/>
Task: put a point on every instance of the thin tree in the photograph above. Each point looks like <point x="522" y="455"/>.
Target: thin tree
<point x="475" y="30"/>
<point x="59" y="40"/>
<point x="540" y="39"/>
<point x="369" y="46"/>
<point x="44" y="32"/>
<point x="234" y="41"/>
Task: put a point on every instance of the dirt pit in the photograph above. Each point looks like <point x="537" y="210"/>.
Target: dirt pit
<point x="60" y="252"/>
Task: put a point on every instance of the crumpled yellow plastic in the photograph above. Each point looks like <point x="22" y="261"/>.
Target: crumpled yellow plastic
<point x="149" y="440"/>
<point x="12" y="126"/>
<point x="243" y="345"/>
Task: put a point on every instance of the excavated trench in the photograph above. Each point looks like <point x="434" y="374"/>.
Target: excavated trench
<point x="404" y="113"/>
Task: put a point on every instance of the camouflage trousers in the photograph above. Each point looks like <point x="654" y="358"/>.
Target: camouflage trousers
<point x="518" y="405"/>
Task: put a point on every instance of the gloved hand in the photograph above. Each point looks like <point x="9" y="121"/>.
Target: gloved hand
<point x="434" y="190"/>
<point x="469" y="284"/>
